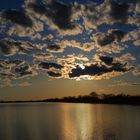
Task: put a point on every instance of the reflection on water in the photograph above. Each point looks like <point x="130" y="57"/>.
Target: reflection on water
<point x="48" y="121"/>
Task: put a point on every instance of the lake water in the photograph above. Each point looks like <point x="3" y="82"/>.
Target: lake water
<point x="60" y="121"/>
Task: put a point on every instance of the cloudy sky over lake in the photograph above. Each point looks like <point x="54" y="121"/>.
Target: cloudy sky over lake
<point x="55" y="48"/>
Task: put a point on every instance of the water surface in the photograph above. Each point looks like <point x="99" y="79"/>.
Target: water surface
<point x="55" y="121"/>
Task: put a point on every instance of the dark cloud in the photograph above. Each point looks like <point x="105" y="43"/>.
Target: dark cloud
<point x="88" y="70"/>
<point x="8" y="64"/>
<point x="95" y="69"/>
<point x="119" y="11"/>
<point x="106" y="40"/>
<point x="46" y="65"/>
<point x="15" y="69"/>
<point x="110" y="37"/>
<point x="18" y="17"/>
<point x="53" y="74"/>
<point x="118" y="67"/>
<point x="117" y="34"/>
<point x="106" y="59"/>
<point x="40" y="9"/>
<point x="61" y="14"/>
<point x="54" y="47"/>
<point x="58" y="12"/>
<point x="8" y="47"/>
<point x="23" y="70"/>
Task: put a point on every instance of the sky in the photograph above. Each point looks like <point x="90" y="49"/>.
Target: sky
<point x="56" y="48"/>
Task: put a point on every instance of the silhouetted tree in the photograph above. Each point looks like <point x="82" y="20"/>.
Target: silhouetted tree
<point x="94" y="94"/>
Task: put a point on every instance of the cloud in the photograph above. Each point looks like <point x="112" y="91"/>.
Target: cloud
<point x="119" y="11"/>
<point x="113" y="35"/>
<point x="65" y="18"/>
<point x="92" y="15"/>
<point x="46" y="65"/>
<point x="54" y="48"/>
<point x="138" y="8"/>
<point x="103" y="67"/>
<point x="87" y="46"/>
<point x="9" y="64"/>
<point x="8" y="47"/>
<point x="21" y="23"/>
<point x="6" y="74"/>
<point x="106" y="59"/>
<point x="53" y="70"/>
<point x="95" y="69"/>
<point x="8" y="83"/>
<point x="54" y="74"/>
<point x="136" y="71"/>
<point x="124" y="59"/>
<point x="121" y="83"/>
<point x="110" y="42"/>
<point x="16" y="69"/>
<point x="56" y="14"/>
<point x="109" y="12"/>
<point x="127" y="57"/>
<point x="60" y="14"/>
<point x="137" y="42"/>
<point x="4" y="65"/>
<point x="5" y="83"/>
<point x="132" y="35"/>
<point x="107" y="44"/>
<point x="24" y="84"/>
<point x="70" y="40"/>
<point x="117" y="34"/>
<point x="24" y="71"/>
<point x="40" y="9"/>
<point x="21" y="31"/>
<point x="17" y="17"/>
<point x="43" y="56"/>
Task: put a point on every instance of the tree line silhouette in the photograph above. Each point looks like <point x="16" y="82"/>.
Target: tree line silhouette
<point x="93" y="97"/>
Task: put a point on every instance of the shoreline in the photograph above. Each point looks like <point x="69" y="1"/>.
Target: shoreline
<point x="19" y="102"/>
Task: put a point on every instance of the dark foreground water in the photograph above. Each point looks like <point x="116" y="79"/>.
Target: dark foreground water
<point x="48" y="121"/>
